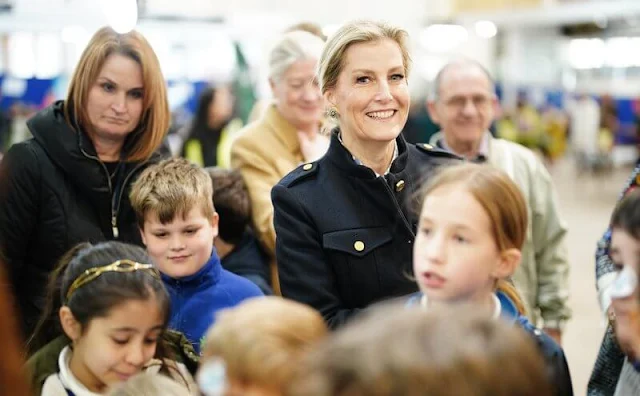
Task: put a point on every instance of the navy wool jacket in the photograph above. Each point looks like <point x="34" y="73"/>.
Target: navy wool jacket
<point x="344" y="234"/>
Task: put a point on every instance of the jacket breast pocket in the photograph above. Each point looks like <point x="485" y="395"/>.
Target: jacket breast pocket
<point x="354" y="255"/>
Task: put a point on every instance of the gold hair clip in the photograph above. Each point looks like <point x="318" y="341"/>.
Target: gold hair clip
<point x="117" y="266"/>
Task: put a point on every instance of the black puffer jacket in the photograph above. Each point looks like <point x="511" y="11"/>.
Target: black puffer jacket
<point x="55" y="193"/>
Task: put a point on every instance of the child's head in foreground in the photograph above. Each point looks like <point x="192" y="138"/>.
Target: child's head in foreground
<point x="175" y="212"/>
<point x="473" y="223"/>
<point x="254" y="348"/>
<point x="393" y="351"/>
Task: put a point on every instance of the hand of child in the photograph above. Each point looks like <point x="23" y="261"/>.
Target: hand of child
<point x="313" y="147"/>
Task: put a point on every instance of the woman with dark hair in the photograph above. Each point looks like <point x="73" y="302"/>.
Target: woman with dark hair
<point x="69" y="183"/>
<point x="208" y="137"/>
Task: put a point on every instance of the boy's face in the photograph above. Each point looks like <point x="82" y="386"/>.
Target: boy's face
<point x="625" y="253"/>
<point x="181" y="247"/>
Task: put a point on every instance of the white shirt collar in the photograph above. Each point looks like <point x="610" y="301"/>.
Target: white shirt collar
<point x="358" y="162"/>
<point x="67" y="378"/>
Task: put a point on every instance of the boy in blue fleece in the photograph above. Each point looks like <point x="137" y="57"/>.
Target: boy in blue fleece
<point x="178" y="222"/>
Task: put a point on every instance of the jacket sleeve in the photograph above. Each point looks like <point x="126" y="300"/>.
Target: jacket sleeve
<point x="561" y="374"/>
<point x="605" y="269"/>
<point x="19" y="198"/>
<point x="554" y="357"/>
<point x="550" y="244"/>
<point x="305" y="275"/>
<point x="260" y="177"/>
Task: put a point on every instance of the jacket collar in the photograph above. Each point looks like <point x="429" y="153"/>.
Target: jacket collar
<point x="284" y="131"/>
<point x="209" y="274"/>
<point x="508" y="311"/>
<point x="343" y="159"/>
<point x="73" y="152"/>
<point x="484" y="151"/>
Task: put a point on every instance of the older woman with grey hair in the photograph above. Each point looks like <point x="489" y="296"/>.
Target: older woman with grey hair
<point x="287" y="134"/>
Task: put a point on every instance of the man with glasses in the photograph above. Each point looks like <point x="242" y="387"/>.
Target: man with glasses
<point x="463" y="102"/>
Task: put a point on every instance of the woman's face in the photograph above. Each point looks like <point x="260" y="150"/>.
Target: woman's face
<point x="371" y="94"/>
<point x="114" y="103"/>
<point x="298" y="96"/>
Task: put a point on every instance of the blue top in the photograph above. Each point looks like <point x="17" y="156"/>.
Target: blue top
<point x="195" y="299"/>
<point x="552" y="352"/>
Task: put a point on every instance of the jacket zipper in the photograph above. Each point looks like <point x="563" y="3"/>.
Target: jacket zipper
<point x="114" y="221"/>
<point x="114" y="208"/>
<point x="395" y="201"/>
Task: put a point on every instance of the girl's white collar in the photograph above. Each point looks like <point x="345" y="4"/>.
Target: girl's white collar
<point x="497" y="306"/>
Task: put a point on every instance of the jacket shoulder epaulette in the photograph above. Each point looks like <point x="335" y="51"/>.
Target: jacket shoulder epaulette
<point x="433" y="151"/>
<point x="301" y="173"/>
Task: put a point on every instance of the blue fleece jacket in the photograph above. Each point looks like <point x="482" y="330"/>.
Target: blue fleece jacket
<point x="552" y="352"/>
<point x="195" y="299"/>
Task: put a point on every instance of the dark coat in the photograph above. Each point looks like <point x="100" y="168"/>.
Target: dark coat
<point x="250" y="261"/>
<point x="344" y="235"/>
<point x="55" y="194"/>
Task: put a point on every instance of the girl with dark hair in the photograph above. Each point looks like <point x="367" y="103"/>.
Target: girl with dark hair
<point x="106" y="315"/>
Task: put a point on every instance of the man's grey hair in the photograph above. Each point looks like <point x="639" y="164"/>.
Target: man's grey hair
<point x="434" y="89"/>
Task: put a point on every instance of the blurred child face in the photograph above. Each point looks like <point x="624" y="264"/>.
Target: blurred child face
<point x="455" y="256"/>
<point x="625" y="253"/>
<point x="183" y="246"/>
<point x="113" y="348"/>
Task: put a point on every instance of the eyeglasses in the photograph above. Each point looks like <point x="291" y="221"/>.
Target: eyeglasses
<point x="117" y="266"/>
<point x="478" y="101"/>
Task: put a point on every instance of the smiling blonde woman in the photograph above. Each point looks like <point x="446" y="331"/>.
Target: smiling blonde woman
<point x="345" y="224"/>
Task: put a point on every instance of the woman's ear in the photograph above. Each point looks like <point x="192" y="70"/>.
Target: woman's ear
<point x="329" y="98"/>
<point x="272" y="85"/>
<point x="507" y="264"/>
<point x="70" y="325"/>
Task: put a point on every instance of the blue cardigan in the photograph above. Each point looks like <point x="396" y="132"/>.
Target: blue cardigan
<point x="195" y="299"/>
<point x="552" y="352"/>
